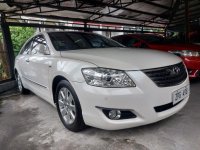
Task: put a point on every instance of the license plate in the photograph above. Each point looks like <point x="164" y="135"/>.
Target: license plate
<point x="180" y="94"/>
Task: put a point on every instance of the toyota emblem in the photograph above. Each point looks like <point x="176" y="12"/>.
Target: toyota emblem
<point x="175" y="70"/>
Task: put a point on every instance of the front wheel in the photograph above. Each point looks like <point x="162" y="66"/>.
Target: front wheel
<point x="68" y="107"/>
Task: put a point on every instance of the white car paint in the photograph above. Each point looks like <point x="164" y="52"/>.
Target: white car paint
<point x="123" y="58"/>
<point x="38" y="73"/>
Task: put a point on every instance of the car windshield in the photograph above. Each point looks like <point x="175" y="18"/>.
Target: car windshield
<point x="63" y="41"/>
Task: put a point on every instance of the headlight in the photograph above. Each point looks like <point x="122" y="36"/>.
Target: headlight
<point x="186" y="53"/>
<point x="108" y="78"/>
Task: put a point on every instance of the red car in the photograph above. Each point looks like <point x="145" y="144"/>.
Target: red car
<point x="190" y="53"/>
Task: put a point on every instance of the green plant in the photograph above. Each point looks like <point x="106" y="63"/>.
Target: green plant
<point x="19" y="36"/>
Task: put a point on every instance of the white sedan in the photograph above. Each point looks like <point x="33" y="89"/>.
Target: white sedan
<point x="95" y="81"/>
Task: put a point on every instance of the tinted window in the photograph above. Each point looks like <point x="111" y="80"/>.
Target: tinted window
<point x="39" y="45"/>
<point x="26" y="48"/>
<point x="71" y="41"/>
<point x="118" y="39"/>
<point x="129" y="41"/>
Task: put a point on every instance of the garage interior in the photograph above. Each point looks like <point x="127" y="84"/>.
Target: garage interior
<point x="28" y="122"/>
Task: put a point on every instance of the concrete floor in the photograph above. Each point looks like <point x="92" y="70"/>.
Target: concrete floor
<point x="28" y="122"/>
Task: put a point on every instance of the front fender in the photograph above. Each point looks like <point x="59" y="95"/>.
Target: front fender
<point x="69" y="69"/>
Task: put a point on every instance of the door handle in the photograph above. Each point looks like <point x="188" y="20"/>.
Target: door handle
<point x="49" y="64"/>
<point x="27" y="60"/>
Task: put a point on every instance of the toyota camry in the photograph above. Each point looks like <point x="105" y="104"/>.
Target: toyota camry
<point x="95" y="81"/>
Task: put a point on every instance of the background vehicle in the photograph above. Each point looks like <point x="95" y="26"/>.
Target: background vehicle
<point x="96" y="81"/>
<point x="190" y="53"/>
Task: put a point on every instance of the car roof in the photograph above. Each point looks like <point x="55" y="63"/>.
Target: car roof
<point x="65" y="32"/>
<point x="139" y="35"/>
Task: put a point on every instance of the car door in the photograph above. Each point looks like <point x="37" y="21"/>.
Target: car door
<point x="40" y="63"/>
<point x="23" y="60"/>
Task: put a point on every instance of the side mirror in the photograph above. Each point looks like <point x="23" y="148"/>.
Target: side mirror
<point x="44" y="49"/>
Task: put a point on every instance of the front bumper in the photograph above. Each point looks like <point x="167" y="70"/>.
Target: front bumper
<point x="141" y="100"/>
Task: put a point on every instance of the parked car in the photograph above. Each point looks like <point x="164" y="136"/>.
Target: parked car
<point x="95" y="81"/>
<point x="190" y="53"/>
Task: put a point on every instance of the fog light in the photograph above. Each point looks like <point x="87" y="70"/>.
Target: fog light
<point x="114" y="114"/>
<point x="117" y="114"/>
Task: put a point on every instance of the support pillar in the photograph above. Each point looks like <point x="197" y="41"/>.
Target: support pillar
<point x="86" y="29"/>
<point x="187" y="24"/>
<point x="8" y="44"/>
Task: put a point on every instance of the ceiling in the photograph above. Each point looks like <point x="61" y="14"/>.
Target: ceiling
<point x="146" y="13"/>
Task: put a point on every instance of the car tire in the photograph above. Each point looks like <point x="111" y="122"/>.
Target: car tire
<point x="20" y="86"/>
<point x="68" y="107"/>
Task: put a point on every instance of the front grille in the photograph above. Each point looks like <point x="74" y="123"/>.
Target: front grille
<point x="167" y="76"/>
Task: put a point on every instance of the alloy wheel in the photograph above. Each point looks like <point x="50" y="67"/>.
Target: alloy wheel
<point x="67" y="105"/>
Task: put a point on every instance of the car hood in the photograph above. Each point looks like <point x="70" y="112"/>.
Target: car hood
<point x="123" y="58"/>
